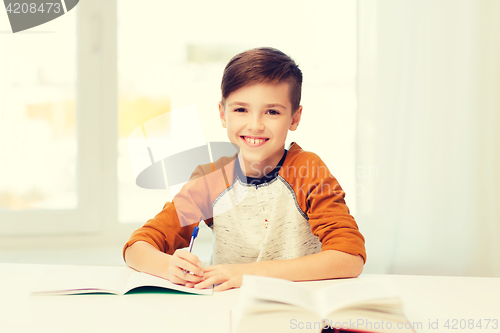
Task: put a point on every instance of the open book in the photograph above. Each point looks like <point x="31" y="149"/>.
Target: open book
<point x="118" y="280"/>
<point x="355" y="305"/>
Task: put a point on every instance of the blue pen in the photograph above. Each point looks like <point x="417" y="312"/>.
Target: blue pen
<point x="193" y="237"/>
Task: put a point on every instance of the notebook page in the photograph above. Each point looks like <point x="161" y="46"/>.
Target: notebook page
<point x="63" y="279"/>
<point x="139" y="279"/>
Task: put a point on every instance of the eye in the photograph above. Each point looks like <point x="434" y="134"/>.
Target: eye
<point x="273" y="112"/>
<point x="239" y="110"/>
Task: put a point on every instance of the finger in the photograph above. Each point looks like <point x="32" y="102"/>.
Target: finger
<point x="177" y="280"/>
<point x="209" y="274"/>
<point x="209" y="268"/>
<point x="224" y="286"/>
<point x="186" y="265"/>
<point x="191" y="277"/>
<point x="187" y="276"/>
<point x="188" y="256"/>
<point x="177" y="275"/>
<point x="190" y="267"/>
<point x="207" y="283"/>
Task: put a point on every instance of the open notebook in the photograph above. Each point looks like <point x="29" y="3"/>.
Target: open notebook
<point x="118" y="280"/>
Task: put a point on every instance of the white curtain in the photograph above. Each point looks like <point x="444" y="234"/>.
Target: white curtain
<point x="428" y="125"/>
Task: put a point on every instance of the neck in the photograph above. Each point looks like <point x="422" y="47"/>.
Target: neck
<point x="258" y="169"/>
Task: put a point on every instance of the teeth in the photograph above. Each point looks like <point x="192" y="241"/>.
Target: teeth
<point x="253" y="141"/>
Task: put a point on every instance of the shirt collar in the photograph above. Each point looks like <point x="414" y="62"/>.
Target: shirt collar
<point x="258" y="181"/>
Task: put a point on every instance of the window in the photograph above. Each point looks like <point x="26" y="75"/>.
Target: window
<point x="92" y="76"/>
<point x="51" y="125"/>
<point x="39" y="136"/>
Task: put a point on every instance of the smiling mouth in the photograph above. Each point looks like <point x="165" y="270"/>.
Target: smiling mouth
<point x="254" y="141"/>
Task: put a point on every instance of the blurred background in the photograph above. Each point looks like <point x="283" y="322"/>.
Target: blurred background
<point x="401" y="100"/>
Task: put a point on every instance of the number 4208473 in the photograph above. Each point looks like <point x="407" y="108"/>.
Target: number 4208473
<point x="26" y="7"/>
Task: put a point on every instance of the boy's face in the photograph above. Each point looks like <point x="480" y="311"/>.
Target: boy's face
<point x="257" y="118"/>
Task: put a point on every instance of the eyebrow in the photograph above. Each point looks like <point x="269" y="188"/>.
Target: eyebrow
<point x="272" y="105"/>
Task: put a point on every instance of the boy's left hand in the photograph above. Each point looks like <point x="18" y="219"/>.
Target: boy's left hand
<point x="229" y="276"/>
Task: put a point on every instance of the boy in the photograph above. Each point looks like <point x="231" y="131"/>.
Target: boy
<point x="273" y="212"/>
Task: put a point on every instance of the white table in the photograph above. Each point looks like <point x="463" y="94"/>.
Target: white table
<point x="427" y="300"/>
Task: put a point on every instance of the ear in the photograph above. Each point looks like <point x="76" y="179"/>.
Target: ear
<point x="296" y="119"/>
<point x="222" y="115"/>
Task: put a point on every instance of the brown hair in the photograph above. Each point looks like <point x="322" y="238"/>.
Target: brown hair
<point x="262" y="65"/>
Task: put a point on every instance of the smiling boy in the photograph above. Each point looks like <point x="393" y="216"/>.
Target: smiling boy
<point x="273" y="211"/>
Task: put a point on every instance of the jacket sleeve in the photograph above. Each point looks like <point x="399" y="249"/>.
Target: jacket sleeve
<point x="328" y="213"/>
<point x="172" y="227"/>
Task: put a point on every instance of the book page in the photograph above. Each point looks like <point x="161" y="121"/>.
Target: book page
<point x="286" y="320"/>
<point x="278" y="290"/>
<point x="368" y="295"/>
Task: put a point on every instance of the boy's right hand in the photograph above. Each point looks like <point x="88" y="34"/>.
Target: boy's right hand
<point x="180" y="265"/>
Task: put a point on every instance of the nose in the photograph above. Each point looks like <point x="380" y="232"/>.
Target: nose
<point x="255" y="123"/>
